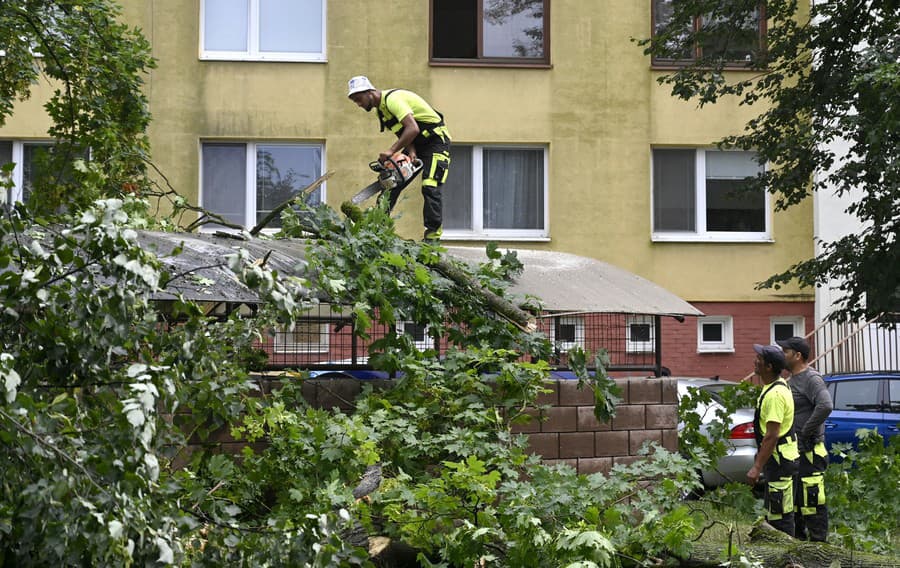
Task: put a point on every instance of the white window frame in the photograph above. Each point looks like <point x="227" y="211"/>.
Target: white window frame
<point x="727" y="343"/>
<point x="250" y="182"/>
<point x="15" y="194"/>
<point x="253" y="53"/>
<point x="799" y="323"/>
<point x="426" y="343"/>
<point x="633" y="346"/>
<point x="284" y="339"/>
<point x="702" y="235"/>
<point x="478" y="232"/>
<point x="578" y="322"/>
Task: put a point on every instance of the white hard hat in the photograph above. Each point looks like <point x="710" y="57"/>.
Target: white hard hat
<point x="359" y="84"/>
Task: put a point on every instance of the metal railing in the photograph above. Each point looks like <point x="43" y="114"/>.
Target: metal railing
<point x="872" y="345"/>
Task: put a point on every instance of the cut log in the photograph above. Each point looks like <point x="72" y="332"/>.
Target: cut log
<point x="771" y="547"/>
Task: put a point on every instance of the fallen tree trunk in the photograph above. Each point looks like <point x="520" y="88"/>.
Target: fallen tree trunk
<point x="771" y="547"/>
<point x="525" y="321"/>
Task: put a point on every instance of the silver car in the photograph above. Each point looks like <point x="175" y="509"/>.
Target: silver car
<point x="742" y="442"/>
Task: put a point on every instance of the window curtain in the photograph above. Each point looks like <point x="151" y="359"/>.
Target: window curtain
<point x="224" y="180"/>
<point x="457" y="191"/>
<point x="674" y="202"/>
<point x="513" y="188"/>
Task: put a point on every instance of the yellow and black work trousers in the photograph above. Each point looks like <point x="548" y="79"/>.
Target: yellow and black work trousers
<point x="812" y="520"/>
<point x="780" y="474"/>
<point x="435" y="156"/>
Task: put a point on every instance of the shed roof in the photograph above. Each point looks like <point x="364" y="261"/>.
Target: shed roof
<point x="564" y="282"/>
<point x="571" y="283"/>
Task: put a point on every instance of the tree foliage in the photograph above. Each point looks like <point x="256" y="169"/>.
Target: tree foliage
<point x="95" y="66"/>
<point x="828" y="77"/>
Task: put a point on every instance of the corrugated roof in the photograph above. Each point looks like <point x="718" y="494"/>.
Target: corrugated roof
<point x="571" y="283"/>
<point x="201" y="269"/>
<point x="564" y="282"/>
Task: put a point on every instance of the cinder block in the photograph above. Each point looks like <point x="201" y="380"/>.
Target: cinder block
<point x="661" y="416"/>
<point x="340" y="393"/>
<point x="571" y="395"/>
<point x="622" y="383"/>
<point x="560" y="419"/>
<point x="576" y="444"/>
<point x="310" y="391"/>
<point x="626" y="460"/>
<point x="670" y="440"/>
<point x="587" y="466"/>
<point x="587" y="422"/>
<point x="638" y="438"/>
<point x="644" y="391"/>
<point x="533" y="425"/>
<point x="630" y="417"/>
<point x="552" y="397"/>
<point x="573" y="463"/>
<point x="545" y="445"/>
<point x="610" y="444"/>
<point x="669" y="390"/>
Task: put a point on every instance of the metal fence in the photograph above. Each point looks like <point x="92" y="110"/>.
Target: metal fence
<point x="325" y="339"/>
<point x="872" y="345"/>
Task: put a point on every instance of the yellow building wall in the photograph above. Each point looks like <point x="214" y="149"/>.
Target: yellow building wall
<point x="598" y="109"/>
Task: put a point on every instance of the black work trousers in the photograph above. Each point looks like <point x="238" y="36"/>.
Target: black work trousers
<point x="435" y="156"/>
<point x="812" y="518"/>
<point x="779" y="498"/>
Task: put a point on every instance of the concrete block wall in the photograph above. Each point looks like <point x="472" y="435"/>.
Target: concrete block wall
<point x="566" y="431"/>
<point x="570" y="433"/>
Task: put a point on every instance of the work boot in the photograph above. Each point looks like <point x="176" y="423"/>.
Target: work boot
<point x="434" y="235"/>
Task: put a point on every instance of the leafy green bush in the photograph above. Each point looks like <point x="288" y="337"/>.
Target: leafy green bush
<point x="862" y="489"/>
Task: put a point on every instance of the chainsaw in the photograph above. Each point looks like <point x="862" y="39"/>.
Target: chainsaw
<point x="393" y="176"/>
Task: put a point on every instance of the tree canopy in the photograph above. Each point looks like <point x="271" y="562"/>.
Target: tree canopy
<point x="828" y="77"/>
<point x="95" y="65"/>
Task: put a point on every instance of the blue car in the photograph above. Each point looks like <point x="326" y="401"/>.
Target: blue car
<point x="862" y="400"/>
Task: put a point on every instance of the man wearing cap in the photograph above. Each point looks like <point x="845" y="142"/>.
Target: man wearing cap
<point x="812" y="405"/>
<point x="776" y="457"/>
<point x="420" y="132"/>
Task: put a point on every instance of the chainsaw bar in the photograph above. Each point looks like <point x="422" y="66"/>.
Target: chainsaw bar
<point x="366" y="193"/>
<point x="377" y="188"/>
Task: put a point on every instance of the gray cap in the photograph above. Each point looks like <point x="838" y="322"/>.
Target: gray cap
<point x="772" y="354"/>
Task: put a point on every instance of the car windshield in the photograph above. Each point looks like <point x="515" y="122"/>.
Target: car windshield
<point x="715" y="391"/>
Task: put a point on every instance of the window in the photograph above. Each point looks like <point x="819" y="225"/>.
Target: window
<point x="418" y="333"/>
<point x="714" y="334"/>
<point x="244" y="182"/>
<point x="496" y="192"/>
<point x="697" y="195"/>
<point x="567" y="332"/>
<point x="784" y="327"/>
<point x="859" y="396"/>
<point x="713" y="40"/>
<point x="32" y="166"/>
<point x="274" y="30"/>
<point x="307" y="337"/>
<point x="893" y="396"/>
<point x="490" y="31"/>
<point x="640" y="336"/>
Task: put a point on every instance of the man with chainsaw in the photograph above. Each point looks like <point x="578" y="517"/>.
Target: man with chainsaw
<point x="421" y="133"/>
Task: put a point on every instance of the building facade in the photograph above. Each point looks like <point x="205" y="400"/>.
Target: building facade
<point x="562" y="140"/>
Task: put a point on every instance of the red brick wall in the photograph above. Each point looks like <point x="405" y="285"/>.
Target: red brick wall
<point x="751" y="324"/>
